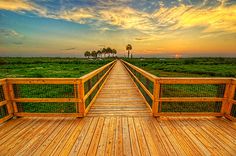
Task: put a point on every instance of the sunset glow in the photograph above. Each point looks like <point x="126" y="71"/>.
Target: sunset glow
<point x="160" y="28"/>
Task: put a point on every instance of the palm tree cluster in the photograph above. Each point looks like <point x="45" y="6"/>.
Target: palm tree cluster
<point x="102" y="53"/>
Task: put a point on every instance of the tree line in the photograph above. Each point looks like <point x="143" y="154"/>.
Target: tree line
<point x="105" y="52"/>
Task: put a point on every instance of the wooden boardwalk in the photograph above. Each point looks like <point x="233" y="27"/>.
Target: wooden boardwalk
<point x="118" y="136"/>
<point x="119" y="123"/>
<point x="119" y="96"/>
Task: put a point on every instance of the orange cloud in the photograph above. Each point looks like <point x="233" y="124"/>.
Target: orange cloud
<point x="77" y="15"/>
<point x="21" y="5"/>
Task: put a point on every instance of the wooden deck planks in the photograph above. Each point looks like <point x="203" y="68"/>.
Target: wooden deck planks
<point x="119" y="123"/>
<point x="119" y="96"/>
<point x="119" y="136"/>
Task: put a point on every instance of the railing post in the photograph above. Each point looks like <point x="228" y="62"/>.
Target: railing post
<point x="230" y="99"/>
<point x="12" y="96"/>
<point x="7" y="97"/>
<point x="156" y="97"/>
<point x="226" y="98"/>
<point x="81" y="97"/>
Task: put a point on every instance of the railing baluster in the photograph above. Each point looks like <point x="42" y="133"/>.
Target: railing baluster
<point x="76" y="94"/>
<point x="7" y="97"/>
<point x="156" y="96"/>
<point x="12" y="97"/>
<point x="230" y="99"/>
<point x="81" y="97"/>
<point x="226" y="98"/>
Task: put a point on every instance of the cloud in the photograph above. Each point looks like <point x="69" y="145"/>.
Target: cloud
<point x="139" y="39"/>
<point x="185" y="17"/>
<point x="127" y="18"/>
<point x="69" y="49"/>
<point x="22" y="5"/>
<point x="142" y="38"/>
<point x="9" y="33"/>
<point x="10" y="36"/>
<point x="15" y="5"/>
<point x="162" y="21"/>
<point x="165" y="20"/>
<point x="17" y="43"/>
<point x="101" y="45"/>
<point x="77" y="15"/>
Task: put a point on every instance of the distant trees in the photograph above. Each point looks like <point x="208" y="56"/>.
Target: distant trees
<point x="114" y="52"/>
<point x="87" y="54"/>
<point x="105" y="52"/>
<point x="99" y="53"/>
<point x="129" y="48"/>
<point x="94" y="54"/>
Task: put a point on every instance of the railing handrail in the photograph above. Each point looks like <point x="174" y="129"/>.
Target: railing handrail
<point x="141" y="84"/>
<point x="55" y="80"/>
<point x="41" y="80"/>
<point x="78" y="98"/>
<point x="194" y="80"/>
<point x="227" y="100"/>
<point x="95" y="85"/>
<point x="234" y="81"/>
<point x="145" y="73"/>
<point x="91" y="74"/>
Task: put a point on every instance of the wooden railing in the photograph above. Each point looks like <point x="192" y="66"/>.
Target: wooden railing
<point x="186" y="96"/>
<point x="64" y="97"/>
<point x="92" y="84"/>
<point x="6" y="109"/>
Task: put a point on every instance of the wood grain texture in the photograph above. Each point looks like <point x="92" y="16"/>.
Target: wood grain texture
<point x="119" y="96"/>
<point x="118" y="135"/>
<point x="118" y="123"/>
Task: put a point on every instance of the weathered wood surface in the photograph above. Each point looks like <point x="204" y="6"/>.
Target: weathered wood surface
<point x="118" y="135"/>
<point x="119" y="96"/>
<point x="119" y="123"/>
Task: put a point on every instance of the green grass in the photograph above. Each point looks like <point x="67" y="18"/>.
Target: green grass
<point x="44" y="107"/>
<point x="191" y="107"/>
<point x="74" y="67"/>
<point x="48" y="67"/>
<point x="188" y="67"/>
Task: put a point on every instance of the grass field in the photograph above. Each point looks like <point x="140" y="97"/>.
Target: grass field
<point x="188" y="67"/>
<point x="74" y="67"/>
<point x="48" y="67"/>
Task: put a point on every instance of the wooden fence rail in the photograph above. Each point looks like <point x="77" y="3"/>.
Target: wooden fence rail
<point x="62" y="97"/>
<point x="6" y="109"/>
<point x="186" y="96"/>
<point x="73" y="97"/>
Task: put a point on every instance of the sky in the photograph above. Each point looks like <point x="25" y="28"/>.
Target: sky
<point x="155" y="28"/>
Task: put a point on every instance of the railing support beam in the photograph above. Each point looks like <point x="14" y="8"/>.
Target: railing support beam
<point x="156" y="97"/>
<point x="7" y="97"/>
<point x="230" y="100"/>
<point x="81" y="102"/>
<point x="12" y="96"/>
<point x="225" y="102"/>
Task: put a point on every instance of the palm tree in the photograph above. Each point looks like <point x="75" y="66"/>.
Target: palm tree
<point x="109" y="51"/>
<point x="114" y="52"/>
<point x="128" y="48"/>
<point x="87" y="54"/>
<point x="94" y="54"/>
<point x="104" y="51"/>
<point x="99" y="53"/>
